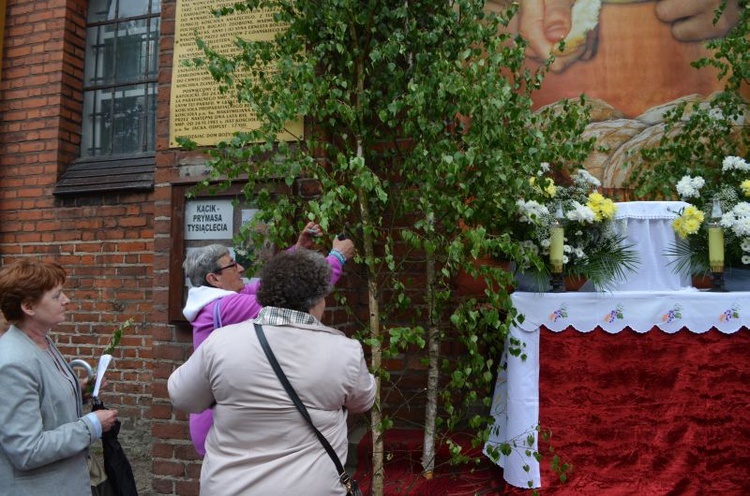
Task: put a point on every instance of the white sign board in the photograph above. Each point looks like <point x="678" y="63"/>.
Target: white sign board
<point x="209" y="219"/>
<point x="248" y="214"/>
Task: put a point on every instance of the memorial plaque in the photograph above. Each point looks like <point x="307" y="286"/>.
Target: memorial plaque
<point x="197" y="109"/>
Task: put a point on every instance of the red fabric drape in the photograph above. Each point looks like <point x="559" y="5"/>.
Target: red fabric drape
<point x="646" y="414"/>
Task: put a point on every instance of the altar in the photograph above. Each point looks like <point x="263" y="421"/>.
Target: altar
<point x="640" y="390"/>
<point x="599" y="325"/>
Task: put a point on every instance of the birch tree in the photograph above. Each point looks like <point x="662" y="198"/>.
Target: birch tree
<point x="421" y="136"/>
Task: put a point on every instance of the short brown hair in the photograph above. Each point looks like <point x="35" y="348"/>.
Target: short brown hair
<point x="295" y="279"/>
<point x="26" y="281"/>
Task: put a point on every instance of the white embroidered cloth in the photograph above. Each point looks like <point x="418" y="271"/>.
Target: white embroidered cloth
<point x="515" y="405"/>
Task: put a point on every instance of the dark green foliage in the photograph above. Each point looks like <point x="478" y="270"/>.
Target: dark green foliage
<point x="418" y="114"/>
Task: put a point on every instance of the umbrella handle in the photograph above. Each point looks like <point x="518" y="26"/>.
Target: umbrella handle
<point x="81" y="364"/>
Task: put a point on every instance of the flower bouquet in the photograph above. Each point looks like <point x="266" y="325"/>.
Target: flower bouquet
<point x="728" y="199"/>
<point x="593" y="245"/>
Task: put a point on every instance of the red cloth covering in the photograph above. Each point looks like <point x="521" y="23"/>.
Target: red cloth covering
<point x="646" y="414"/>
<point x="403" y="468"/>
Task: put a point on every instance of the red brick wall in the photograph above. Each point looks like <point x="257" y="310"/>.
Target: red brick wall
<point x="176" y="467"/>
<point x="105" y="241"/>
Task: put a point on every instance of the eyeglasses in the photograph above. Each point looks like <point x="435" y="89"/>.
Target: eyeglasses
<point x="230" y="266"/>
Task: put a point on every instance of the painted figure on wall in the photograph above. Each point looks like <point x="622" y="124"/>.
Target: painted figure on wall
<point x="631" y="58"/>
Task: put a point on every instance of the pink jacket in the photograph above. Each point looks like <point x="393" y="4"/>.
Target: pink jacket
<point x="234" y="308"/>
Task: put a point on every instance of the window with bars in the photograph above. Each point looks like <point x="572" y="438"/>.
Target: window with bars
<point x="119" y="101"/>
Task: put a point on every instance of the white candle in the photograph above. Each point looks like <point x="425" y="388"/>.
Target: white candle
<point x="556" y="244"/>
<point x="715" y="239"/>
<point x="716" y="248"/>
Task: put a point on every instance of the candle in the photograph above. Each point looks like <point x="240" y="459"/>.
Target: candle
<point x="715" y="238"/>
<point x="556" y="242"/>
<point x="716" y="248"/>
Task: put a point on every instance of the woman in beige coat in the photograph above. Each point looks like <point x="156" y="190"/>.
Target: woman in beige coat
<point x="260" y="443"/>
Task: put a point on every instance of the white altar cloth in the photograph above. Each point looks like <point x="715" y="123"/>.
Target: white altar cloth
<point x="515" y="405"/>
<point x="648" y="228"/>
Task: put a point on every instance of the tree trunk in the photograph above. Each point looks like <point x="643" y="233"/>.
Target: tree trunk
<point x="376" y="417"/>
<point x="433" y="350"/>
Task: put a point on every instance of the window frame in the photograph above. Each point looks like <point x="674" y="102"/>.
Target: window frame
<point x="118" y="171"/>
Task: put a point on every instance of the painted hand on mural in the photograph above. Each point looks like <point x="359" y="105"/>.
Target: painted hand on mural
<point x="693" y="20"/>
<point x="544" y="23"/>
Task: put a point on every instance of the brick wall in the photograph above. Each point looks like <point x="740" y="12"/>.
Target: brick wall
<point x="105" y="241"/>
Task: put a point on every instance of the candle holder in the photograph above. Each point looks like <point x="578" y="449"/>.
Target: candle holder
<point x="717" y="282"/>
<point x="558" y="283"/>
<point x="556" y="251"/>
<point x="716" y="248"/>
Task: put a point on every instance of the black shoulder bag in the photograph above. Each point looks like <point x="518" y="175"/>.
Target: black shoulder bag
<point x="352" y="489"/>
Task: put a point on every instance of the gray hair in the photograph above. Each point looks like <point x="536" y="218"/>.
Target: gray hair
<point x="297" y="280"/>
<point x="203" y="261"/>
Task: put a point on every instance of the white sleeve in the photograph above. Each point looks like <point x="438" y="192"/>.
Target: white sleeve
<point x="361" y="395"/>
<point x="189" y="387"/>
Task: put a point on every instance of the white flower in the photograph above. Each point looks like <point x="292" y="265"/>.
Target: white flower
<point x="531" y="211"/>
<point x="742" y="209"/>
<point x="565" y="259"/>
<point x="745" y="245"/>
<point x="543" y="169"/>
<point x="742" y="227"/>
<point x="581" y="213"/>
<point x="567" y="249"/>
<point x="727" y="220"/>
<point x="545" y="243"/>
<point x="746" y="259"/>
<point x="738" y="220"/>
<point x="716" y="114"/>
<point x="736" y="163"/>
<point x="689" y="187"/>
<point x="580" y="253"/>
<point x="530" y="246"/>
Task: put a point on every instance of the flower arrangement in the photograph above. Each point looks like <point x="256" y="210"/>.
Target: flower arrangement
<point x="732" y="193"/>
<point x="593" y="246"/>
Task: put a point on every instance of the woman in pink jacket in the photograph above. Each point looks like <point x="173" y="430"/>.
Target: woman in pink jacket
<point x="220" y="297"/>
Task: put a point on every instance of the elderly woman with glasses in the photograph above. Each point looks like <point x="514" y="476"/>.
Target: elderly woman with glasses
<point x="260" y="443"/>
<point x="220" y="297"/>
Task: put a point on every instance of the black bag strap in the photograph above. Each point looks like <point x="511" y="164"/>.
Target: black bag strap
<point x="343" y="476"/>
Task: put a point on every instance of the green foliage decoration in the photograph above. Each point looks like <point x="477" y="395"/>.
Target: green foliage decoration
<point x="418" y="113"/>
<point x="117" y="334"/>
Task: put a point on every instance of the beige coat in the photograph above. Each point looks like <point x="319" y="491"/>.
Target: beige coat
<point x="259" y="443"/>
